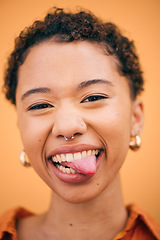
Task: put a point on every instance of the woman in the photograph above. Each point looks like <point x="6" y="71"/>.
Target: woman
<point x="75" y="81"/>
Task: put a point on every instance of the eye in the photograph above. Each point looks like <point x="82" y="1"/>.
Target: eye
<point x="40" y="106"/>
<point x="94" y="98"/>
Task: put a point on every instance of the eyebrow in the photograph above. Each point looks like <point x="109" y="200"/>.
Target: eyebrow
<point x="82" y="85"/>
<point x="35" y="90"/>
<point x="92" y="82"/>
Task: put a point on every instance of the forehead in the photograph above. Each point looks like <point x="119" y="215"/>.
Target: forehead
<point x="75" y="49"/>
<point x="67" y="64"/>
<point x="83" y="54"/>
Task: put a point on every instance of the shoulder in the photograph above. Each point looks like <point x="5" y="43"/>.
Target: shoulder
<point x="142" y="223"/>
<point x="8" y="222"/>
<point x="139" y="226"/>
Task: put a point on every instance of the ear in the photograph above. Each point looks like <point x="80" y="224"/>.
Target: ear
<point x="137" y="120"/>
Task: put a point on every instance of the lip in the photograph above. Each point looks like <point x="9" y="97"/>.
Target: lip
<point x="69" y="178"/>
<point x="74" y="178"/>
<point x="72" y="149"/>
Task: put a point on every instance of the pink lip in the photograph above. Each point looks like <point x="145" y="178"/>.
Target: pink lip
<point x="69" y="178"/>
<point x="72" y="178"/>
<point x="72" y="149"/>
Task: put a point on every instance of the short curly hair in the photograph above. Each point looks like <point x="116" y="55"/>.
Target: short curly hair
<point x="66" y="27"/>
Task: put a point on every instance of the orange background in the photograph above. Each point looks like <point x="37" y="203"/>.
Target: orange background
<point x="139" y="20"/>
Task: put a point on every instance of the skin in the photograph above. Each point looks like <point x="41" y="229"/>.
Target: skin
<point x="107" y="123"/>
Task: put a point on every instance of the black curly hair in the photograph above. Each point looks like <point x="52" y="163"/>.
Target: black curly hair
<point x="68" y="27"/>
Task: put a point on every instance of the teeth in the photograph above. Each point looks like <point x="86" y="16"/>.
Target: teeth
<point x="68" y="170"/>
<point x="61" y="168"/>
<point x="69" y="157"/>
<point x="63" y="157"/>
<point x="84" y="154"/>
<point x="65" y="170"/>
<point x="72" y="170"/>
<point x="89" y="153"/>
<point x="77" y="156"/>
<point x="58" y="158"/>
<point x="96" y="151"/>
<point x="55" y="159"/>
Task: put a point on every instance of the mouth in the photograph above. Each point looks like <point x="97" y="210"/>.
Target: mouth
<point x="84" y="162"/>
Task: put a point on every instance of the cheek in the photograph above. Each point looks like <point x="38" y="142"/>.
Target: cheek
<point x="112" y="123"/>
<point x="114" y="132"/>
<point x="113" y="127"/>
<point x="34" y="133"/>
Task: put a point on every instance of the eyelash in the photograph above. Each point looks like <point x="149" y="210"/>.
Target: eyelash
<point x="40" y="106"/>
<point x="94" y="98"/>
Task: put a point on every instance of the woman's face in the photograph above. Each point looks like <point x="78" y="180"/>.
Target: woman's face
<point x="67" y="89"/>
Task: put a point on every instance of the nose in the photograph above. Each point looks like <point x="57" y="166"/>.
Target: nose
<point x="68" y="123"/>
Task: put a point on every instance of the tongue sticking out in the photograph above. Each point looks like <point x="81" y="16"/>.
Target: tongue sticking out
<point x="85" y="165"/>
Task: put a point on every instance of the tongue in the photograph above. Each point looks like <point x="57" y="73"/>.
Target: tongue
<point x="85" y="165"/>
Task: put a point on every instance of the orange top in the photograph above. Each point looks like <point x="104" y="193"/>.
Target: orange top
<point x="140" y="225"/>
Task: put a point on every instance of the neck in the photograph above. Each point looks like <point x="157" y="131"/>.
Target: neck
<point x="101" y="218"/>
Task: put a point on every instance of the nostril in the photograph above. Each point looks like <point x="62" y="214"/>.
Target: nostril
<point x="68" y="126"/>
<point x="69" y="138"/>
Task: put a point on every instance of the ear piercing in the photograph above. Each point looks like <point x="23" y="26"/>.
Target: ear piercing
<point x="135" y="144"/>
<point x="23" y="160"/>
